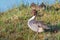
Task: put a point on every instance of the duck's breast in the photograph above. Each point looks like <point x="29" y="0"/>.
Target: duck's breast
<point x="34" y="27"/>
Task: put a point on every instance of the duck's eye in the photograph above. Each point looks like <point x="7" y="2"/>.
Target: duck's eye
<point x="38" y="26"/>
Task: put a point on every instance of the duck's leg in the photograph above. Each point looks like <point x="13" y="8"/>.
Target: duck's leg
<point x="41" y="36"/>
<point x="36" y="34"/>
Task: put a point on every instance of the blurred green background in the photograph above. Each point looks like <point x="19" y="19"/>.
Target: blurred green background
<point x="13" y="23"/>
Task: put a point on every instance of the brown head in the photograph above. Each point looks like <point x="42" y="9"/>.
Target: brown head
<point x="34" y="12"/>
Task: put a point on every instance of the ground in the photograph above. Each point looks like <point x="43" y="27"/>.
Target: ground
<point x="13" y="24"/>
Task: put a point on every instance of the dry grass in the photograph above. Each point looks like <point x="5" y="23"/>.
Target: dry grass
<point x="13" y="25"/>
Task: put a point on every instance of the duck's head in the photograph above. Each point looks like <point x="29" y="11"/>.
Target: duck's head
<point x="34" y="12"/>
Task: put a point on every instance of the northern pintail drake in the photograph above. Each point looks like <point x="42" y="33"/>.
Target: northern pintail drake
<point x="37" y="26"/>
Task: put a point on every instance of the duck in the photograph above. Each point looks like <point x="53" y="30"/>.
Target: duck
<point x="35" y="25"/>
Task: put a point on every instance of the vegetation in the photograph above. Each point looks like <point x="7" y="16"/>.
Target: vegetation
<point x="13" y="23"/>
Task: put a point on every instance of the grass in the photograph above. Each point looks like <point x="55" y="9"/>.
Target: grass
<point x="13" y="24"/>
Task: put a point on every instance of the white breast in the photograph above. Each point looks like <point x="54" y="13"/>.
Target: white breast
<point x="34" y="27"/>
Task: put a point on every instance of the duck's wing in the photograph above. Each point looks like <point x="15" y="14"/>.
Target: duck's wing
<point x="35" y="27"/>
<point x="40" y="24"/>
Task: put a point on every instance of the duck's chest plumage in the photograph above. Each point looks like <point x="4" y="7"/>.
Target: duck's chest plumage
<point x="34" y="26"/>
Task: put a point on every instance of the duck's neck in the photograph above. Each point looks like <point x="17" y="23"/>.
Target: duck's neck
<point x="32" y="18"/>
